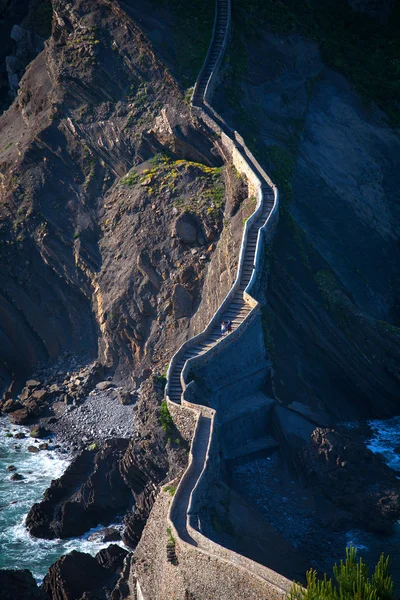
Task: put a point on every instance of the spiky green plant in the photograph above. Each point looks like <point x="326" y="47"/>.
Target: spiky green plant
<point x="352" y="582"/>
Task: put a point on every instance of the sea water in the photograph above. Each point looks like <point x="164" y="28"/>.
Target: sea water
<point x="385" y="440"/>
<point x="18" y="549"/>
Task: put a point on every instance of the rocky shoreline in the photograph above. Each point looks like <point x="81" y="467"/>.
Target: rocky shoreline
<point x="115" y="469"/>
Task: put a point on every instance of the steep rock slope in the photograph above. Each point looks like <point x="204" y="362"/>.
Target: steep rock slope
<point x="94" y="104"/>
<point x="331" y="320"/>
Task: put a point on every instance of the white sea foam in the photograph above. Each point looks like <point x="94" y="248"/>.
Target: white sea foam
<point x="386" y="440"/>
<point x="18" y="549"/>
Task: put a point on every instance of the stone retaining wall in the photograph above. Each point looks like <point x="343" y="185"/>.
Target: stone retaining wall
<point x="206" y="569"/>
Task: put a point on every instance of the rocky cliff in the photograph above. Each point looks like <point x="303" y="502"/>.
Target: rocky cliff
<point x="112" y="262"/>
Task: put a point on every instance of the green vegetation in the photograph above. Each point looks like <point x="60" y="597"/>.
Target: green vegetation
<point x="357" y="46"/>
<point x="171" y="539"/>
<point x="131" y="179"/>
<point x="165" y="419"/>
<point x="193" y="24"/>
<point x="167" y="175"/>
<point x="171" y="489"/>
<point x="351" y="582"/>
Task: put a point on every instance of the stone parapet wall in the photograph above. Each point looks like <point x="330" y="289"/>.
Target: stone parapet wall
<point x="206" y="569"/>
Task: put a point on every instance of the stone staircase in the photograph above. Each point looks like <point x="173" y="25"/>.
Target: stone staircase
<point x="221" y="30"/>
<point x="236" y="311"/>
<point x="238" y="307"/>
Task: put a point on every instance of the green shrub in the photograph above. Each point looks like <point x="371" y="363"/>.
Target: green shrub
<point x="165" y="419"/>
<point x="351" y="582"/>
<point x="171" y="537"/>
<point x="171" y="489"/>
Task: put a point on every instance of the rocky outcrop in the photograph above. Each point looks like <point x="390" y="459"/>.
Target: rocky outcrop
<point x="353" y="478"/>
<point x="91" y="491"/>
<point x="78" y="575"/>
<point x="76" y="249"/>
<point x="20" y="584"/>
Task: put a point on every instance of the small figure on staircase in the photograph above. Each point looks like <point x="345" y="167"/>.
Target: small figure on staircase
<point x="229" y="326"/>
<point x="223" y="328"/>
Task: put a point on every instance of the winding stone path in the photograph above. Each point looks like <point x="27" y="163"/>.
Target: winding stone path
<point x="237" y="309"/>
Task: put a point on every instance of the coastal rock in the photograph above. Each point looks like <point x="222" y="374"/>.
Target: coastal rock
<point x="10" y="406"/>
<point x="74" y="574"/>
<point x="90" y="491"/>
<point x="11" y="468"/>
<point x="111" y="558"/>
<point x="20" y="435"/>
<point x="19" y="584"/>
<point x="20" y="417"/>
<point x="38" y="432"/>
<point x="32" y="383"/>
<point x="109" y="534"/>
<point x="353" y="478"/>
<point x="16" y="477"/>
<point x="33" y="449"/>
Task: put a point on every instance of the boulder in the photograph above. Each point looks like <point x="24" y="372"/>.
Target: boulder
<point x="125" y="397"/>
<point x="19" y="584"/>
<point x="33" y="449"/>
<point x="38" y="432"/>
<point x="11" y="405"/>
<point x="32" y="383"/>
<point x="105" y="385"/>
<point x="185" y="228"/>
<point x="74" y="574"/>
<point x="111" y="558"/>
<point x="182" y="301"/>
<point x="20" y="435"/>
<point x="44" y="446"/>
<point x="16" y="477"/>
<point x="108" y="534"/>
<point x="11" y="468"/>
<point x="20" y="417"/>
<point x="40" y="394"/>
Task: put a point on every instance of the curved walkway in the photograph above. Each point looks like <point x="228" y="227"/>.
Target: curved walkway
<point x="239" y="306"/>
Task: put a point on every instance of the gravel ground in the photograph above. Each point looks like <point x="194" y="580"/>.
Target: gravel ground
<point x="101" y="416"/>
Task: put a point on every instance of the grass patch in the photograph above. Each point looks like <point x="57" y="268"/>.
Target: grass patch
<point x="165" y="419"/>
<point x="131" y="179"/>
<point x="170" y="489"/>
<point x="171" y="538"/>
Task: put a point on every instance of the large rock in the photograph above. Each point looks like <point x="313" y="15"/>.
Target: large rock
<point x="74" y="574"/>
<point x="10" y="406"/>
<point x="353" y="478"/>
<point x="185" y="228"/>
<point x="182" y="301"/>
<point x="19" y="585"/>
<point x="91" y="491"/>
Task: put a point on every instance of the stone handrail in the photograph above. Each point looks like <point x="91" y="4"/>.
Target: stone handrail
<point x="233" y="144"/>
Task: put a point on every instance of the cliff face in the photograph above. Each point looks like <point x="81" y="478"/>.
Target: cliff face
<point x="93" y="260"/>
<point x="332" y="315"/>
